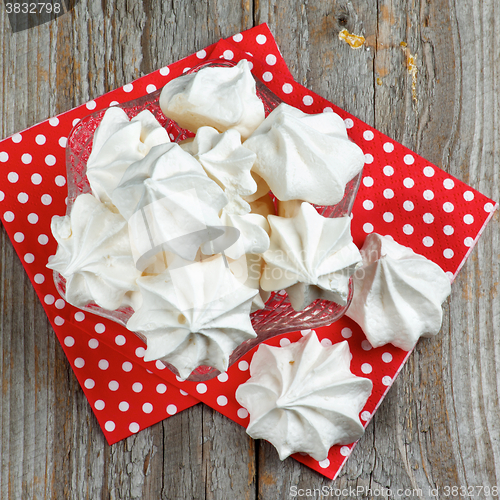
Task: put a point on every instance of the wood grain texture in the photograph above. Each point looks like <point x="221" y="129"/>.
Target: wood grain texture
<point x="440" y="423"/>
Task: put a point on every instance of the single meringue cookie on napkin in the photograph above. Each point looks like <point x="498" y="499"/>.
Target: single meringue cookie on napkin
<point x="305" y="157"/>
<point x="303" y="397"/>
<point x="194" y="314"/>
<point x="310" y="256"/>
<point x="397" y="294"/>
<point x="220" y="97"/>
<point x="117" y="143"/>
<point x="94" y="255"/>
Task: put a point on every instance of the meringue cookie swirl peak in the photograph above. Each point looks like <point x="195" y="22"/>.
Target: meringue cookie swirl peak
<point x="305" y="157"/>
<point x="303" y="397"/>
<point x="221" y="97"/>
<point x="397" y="294"/>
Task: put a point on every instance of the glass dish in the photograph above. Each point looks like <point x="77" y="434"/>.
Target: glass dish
<point x="278" y="316"/>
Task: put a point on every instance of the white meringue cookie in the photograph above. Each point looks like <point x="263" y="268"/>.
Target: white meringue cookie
<point x="220" y="97"/>
<point x="94" y="255"/>
<point x="305" y="157"/>
<point x="193" y="315"/>
<point x="397" y="294"/>
<point x="117" y="143"/>
<point x="303" y="397"/>
<point x="226" y="162"/>
<point x="310" y="256"/>
<point x="170" y="203"/>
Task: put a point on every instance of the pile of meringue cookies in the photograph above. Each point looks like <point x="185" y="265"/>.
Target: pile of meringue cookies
<point x="189" y="237"/>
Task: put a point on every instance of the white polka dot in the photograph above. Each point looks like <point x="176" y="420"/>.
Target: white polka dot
<point x="428" y="218"/>
<point x="179" y="379"/>
<point x="243" y="365"/>
<point x="147" y="407"/>
<point x="346" y="333"/>
<point x="348" y="123"/>
<point x="110" y="426"/>
<point x="388" y="216"/>
<point x="222" y="400"/>
<point x="368" y="205"/>
<point x="54" y="121"/>
<point x="79" y="316"/>
<point x="368" y="135"/>
<point x="137" y="387"/>
<point x="113" y="385"/>
<point x="127" y="366"/>
<point x="43" y="239"/>
<point x="260" y="39"/>
<point x="120" y="340"/>
<point x="48" y="299"/>
<point x="228" y="55"/>
<point x="368" y="228"/>
<point x="387" y="357"/>
<point x="242" y="413"/>
<point x="29" y="258"/>
<point x="305" y="332"/>
<point x="448" y="253"/>
<point x="13" y="177"/>
<point x="388" y="170"/>
<point x="18" y="237"/>
<point x="123" y="406"/>
<point x="171" y="409"/>
<point x="22" y="197"/>
<point x="468" y="219"/>
<point x="60" y="303"/>
<point x="267" y="76"/>
<point x="344" y="451"/>
<point x="271" y="59"/>
<point x="91" y="105"/>
<point x="284" y="342"/>
<point x="36" y="179"/>
<point x="17" y="138"/>
<point x="103" y="364"/>
<point x="408" y="205"/>
<point x="388" y="147"/>
<point x="428" y="171"/>
<point x="365" y="415"/>
<point x="408" y="229"/>
<point x="408" y="182"/>
<point x="488" y="207"/>
<point x="365" y="345"/>
<point x="368" y="181"/>
<point x="26" y="158"/>
<point x="150" y="88"/>
<point x="428" y="241"/>
<point x="161" y="388"/>
<point x="448" y="230"/>
<point x="2" y="195"/>
<point x="184" y="393"/>
<point x="99" y="404"/>
<point x="40" y="139"/>
<point x="201" y="54"/>
<point x="63" y="142"/>
<point x="185" y="70"/>
<point x="223" y="377"/>
<point x="134" y="427"/>
<point x="448" y="184"/>
<point x="324" y="463"/>
<point x="128" y="87"/>
<point x="448" y="207"/>
<point x="164" y="71"/>
<point x="93" y="343"/>
<point x="307" y="100"/>
<point x="326" y="342"/>
<point x="69" y="341"/>
<point x="468" y="196"/>
<point x="330" y="110"/>
<point x="201" y="388"/>
<point x="428" y="195"/>
<point x="388" y="194"/>
<point x="4" y="156"/>
<point x="368" y="158"/>
<point x="75" y="121"/>
<point x="238" y="37"/>
<point x="79" y="362"/>
<point x="140" y="352"/>
<point x="89" y="383"/>
<point x="287" y="88"/>
<point x="50" y="160"/>
<point x="387" y="380"/>
<point x="366" y="368"/>
<point x="32" y="218"/>
<point x="39" y="278"/>
<point x="468" y="242"/>
<point x="408" y="159"/>
<point x="160" y="365"/>
<point x="99" y="328"/>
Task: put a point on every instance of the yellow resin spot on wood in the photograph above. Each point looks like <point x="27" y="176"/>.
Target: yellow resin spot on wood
<point x="355" y="41"/>
<point x="411" y="64"/>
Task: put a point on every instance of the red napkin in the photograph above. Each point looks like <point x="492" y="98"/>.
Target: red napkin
<point x="402" y="195"/>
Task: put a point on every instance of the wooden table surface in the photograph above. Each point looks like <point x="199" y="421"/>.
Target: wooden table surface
<point x="440" y="423"/>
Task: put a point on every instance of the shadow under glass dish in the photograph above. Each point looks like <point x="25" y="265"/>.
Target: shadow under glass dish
<point x="278" y="316"/>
